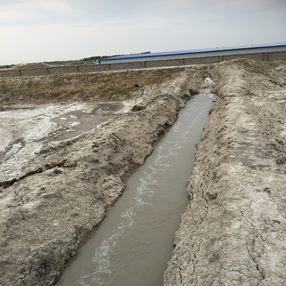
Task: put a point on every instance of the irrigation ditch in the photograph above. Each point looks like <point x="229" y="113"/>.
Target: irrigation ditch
<point x="63" y="166"/>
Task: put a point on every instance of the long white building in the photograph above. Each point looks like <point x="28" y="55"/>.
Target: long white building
<point x="199" y="53"/>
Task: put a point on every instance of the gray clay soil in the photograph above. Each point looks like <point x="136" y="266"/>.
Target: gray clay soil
<point x="234" y="229"/>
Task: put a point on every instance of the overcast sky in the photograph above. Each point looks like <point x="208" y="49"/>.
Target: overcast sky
<point x="47" y="30"/>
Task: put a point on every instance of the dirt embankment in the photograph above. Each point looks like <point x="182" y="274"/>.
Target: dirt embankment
<point x="65" y="188"/>
<point x="234" y="229"/>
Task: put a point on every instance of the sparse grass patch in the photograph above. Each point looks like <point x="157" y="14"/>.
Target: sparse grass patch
<point x="107" y="85"/>
<point x="122" y="83"/>
<point x="4" y="90"/>
<point x="66" y="90"/>
<point x="4" y="87"/>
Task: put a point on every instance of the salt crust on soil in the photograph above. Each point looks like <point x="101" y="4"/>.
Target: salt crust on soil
<point x="25" y="131"/>
<point x="233" y="232"/>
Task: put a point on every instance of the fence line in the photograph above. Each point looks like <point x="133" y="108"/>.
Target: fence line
<point x="269" y="56"/>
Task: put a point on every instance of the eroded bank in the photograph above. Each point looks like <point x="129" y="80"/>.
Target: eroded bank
<point x="234" y="229"/>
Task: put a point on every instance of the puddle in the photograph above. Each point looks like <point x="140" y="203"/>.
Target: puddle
<point x="135" y="241"/>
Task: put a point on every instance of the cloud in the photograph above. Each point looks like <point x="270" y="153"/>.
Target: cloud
<point x="42" y="12"/>
<point x="19" y="13"/>
<point x="71" y="29"/>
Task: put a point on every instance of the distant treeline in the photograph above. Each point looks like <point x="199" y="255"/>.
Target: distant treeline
<point x="94" y="58"/>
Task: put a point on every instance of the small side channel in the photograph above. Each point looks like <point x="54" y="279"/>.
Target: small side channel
<point x="135" y="241"/>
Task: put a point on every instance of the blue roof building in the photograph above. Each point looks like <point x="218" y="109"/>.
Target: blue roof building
<point x="198" y="53"/>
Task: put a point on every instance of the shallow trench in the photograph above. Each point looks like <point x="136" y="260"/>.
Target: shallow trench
<point x="134" y="243"/>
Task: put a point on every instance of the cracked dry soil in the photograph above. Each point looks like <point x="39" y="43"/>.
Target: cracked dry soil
<point x="234" y="229"/>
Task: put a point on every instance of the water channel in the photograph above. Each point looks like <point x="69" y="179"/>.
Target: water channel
<point x="135" y="241"/>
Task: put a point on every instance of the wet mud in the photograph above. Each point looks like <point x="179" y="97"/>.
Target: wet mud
<point x="78" y="122"/>
<point x="27" y="130"/>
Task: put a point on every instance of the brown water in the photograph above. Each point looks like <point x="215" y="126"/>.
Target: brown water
<point x="135" y="241"/>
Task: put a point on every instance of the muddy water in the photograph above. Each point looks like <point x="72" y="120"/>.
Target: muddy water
<point x="134" y="243"/>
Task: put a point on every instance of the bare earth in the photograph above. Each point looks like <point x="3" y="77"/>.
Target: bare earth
<point x="70" y="172"/>
<point x="234" y="229"/>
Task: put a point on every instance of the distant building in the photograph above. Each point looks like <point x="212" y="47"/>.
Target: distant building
<point x="200" y="53"/>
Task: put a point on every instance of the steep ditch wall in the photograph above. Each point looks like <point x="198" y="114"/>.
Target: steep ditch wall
<point x="234" y="229"/>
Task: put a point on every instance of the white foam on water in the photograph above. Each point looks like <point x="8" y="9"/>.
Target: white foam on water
<point x="143" y="196"/>
<point x="209" y="84"/>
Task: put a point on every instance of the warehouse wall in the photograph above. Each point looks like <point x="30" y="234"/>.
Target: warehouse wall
<point x="143" y="64"/>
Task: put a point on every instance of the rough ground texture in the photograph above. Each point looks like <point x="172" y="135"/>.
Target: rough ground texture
<point x="47" y="210"/>
<point x="234" y="229"/>
<point x="233" y="232"/>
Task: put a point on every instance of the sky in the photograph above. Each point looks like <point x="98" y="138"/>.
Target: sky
<point x="54" y="30"/>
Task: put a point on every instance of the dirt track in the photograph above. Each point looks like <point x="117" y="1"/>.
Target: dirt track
<point x="233" y="232"/>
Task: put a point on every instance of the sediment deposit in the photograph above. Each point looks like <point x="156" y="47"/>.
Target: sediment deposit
<point x="234" y="229"/>
<point x="233" y="232"/>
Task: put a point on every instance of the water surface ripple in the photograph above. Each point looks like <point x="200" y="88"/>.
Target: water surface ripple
<point x="134" y="243"/>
